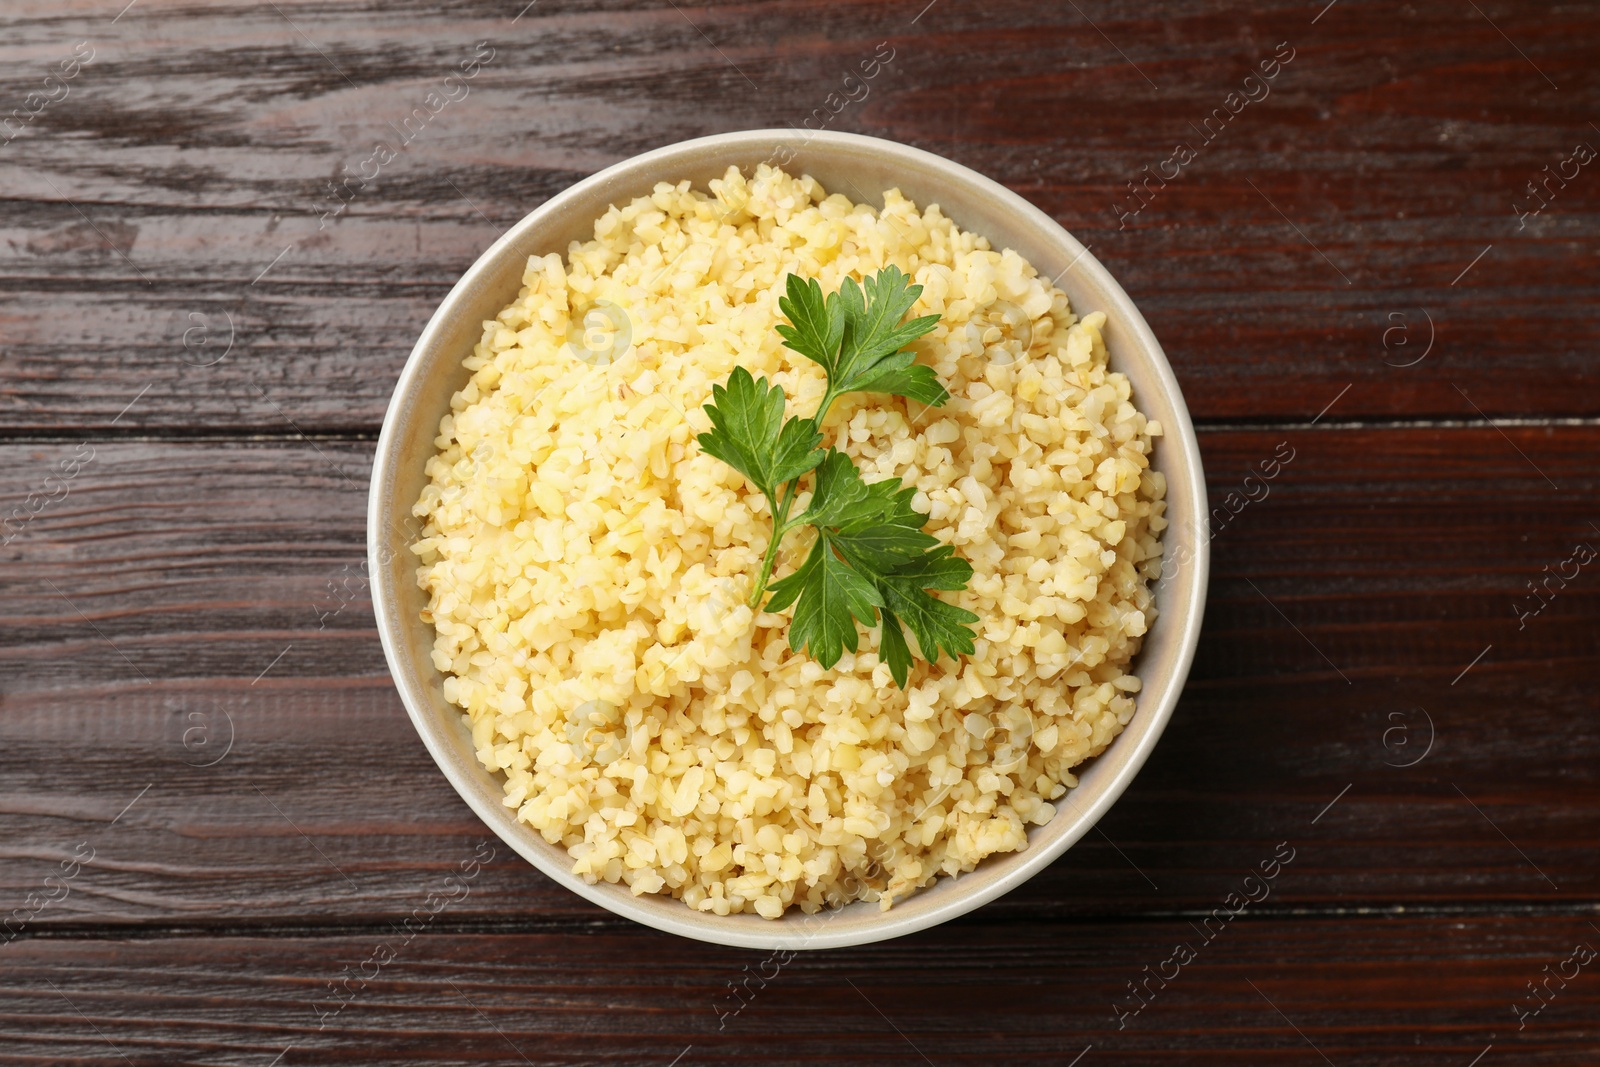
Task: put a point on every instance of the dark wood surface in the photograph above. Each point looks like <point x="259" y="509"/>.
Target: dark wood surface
<point x="1355" y="991"/>
<point x="192" y="692"/>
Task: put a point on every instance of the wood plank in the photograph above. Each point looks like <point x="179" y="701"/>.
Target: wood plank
<point x="1363" y="993"/>
<point x="174" y="193"/>
<point x="178" y="594"/>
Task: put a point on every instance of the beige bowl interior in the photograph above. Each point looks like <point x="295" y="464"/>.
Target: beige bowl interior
<point x="861" y="168"/>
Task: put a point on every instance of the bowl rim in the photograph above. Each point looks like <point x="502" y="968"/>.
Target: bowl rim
<point x="617" y="898"/>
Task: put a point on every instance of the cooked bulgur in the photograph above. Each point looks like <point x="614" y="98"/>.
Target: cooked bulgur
<point x="588" y="565"/>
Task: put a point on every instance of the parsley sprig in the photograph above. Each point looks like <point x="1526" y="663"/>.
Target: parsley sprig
<point x="872" y="562"/>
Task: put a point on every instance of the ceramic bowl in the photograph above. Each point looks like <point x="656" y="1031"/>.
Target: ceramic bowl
<point x="861" y="168"/>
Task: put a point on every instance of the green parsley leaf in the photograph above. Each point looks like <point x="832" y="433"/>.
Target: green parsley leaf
<point x="873" y="330"/>
<point x="874" y="527"/>
<point x="829" y="599"/>
<point x="842" y="500"/>
<point x="883" y="548"/>
<point x="892" y="648"/>
<point x="910" y="380"/>
<point x="750" y="435"/>
<point x="936" y="624"/>
<point x="939" y="568"/>
<point x="856" y="336"/>
<point x="818" y="326"/>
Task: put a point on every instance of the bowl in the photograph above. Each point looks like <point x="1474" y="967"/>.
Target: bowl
<point x="862" y="168"/>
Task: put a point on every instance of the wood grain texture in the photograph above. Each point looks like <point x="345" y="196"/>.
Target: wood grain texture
<point x="171" y="202"/>
<point x="1398" y="991"/>
<point x="178" y="598"/>
<point x="214" y="814"/>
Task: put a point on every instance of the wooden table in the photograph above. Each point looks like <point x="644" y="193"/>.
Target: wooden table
<point x="216" y="819"/>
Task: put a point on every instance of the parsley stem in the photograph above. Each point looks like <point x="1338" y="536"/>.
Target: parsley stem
<point x="780" y="526"/>
<point x="828" y="398"/>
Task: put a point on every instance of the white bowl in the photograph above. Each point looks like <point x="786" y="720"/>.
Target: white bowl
<point x="861" y="168"/>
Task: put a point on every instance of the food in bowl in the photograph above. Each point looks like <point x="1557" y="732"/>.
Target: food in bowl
<point x="588" y="564"/>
